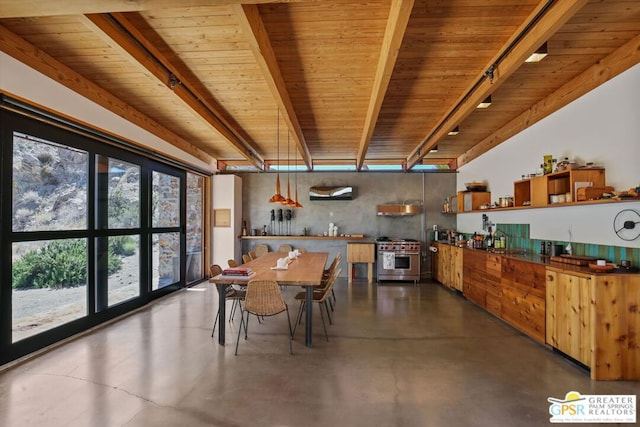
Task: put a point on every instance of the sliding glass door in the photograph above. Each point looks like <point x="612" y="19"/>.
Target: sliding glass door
<point x="89" y="232"/>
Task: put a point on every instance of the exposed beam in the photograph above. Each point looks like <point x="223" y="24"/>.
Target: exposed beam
<point x="617" y="62"/>
<point x="541" y="29"/>
<point x="394" y="33"/>
<point x="23" y="8"/>
<point x="119" y="33"/>
<point x="40" y="61"/>
<point x="253" y="28"/>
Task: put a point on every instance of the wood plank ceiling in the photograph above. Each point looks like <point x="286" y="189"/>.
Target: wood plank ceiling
<point x="355" y="82"/>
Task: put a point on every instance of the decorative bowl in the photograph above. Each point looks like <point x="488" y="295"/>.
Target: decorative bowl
<point x="476" y="186"/>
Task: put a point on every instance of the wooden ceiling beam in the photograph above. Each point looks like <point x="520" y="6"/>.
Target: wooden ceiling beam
<point x="119" y="33"/>
<point x="394" y="33"/>
<point x="22" y="8"/>
<point x="256" y="33"/>
<point x="501" y="67"/>
<point x="40" y="61"/>
<point x="617" y="62"/>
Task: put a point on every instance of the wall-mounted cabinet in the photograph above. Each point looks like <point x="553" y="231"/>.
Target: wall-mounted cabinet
<point x="472" y="200"/>
<point x="540" y="190"/>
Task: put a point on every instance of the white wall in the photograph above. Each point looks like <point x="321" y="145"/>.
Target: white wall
<point x="18" y="79"/>
<point x="603" y="126"/>
<point x="227" y="194"/>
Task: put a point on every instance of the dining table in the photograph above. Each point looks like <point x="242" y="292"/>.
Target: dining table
<point x="306" y="270"/>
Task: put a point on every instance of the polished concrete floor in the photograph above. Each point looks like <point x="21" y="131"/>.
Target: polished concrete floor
<point x="398" y="355"/>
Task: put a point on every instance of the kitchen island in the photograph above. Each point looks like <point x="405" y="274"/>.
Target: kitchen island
<point x="592" y="317"/>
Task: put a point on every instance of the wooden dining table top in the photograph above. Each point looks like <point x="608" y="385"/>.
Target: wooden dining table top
<point x="306" y="270"/>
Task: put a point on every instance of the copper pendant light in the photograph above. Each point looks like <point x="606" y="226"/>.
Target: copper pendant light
<point x="288" y="201"/>
<point x="277" y="197"/>
<point x="296" y="203"/>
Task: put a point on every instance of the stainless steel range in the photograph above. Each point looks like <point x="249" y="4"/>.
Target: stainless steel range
<point x="398" y="259"/>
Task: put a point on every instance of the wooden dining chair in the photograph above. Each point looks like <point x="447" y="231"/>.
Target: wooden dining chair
<point x="246" y="258"/>
<point x="320" y="298"/>
<point x="252" y="255"/>
<point x="231" y="293"/>
<point x="232" y="263"/>
<point x="264" y="299"/>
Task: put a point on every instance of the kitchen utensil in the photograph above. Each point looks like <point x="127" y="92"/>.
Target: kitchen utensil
<point x="556" y="250"/>
<point x="602" y="268"/>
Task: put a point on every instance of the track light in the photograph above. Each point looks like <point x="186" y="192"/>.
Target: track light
<point x="434" y="149"/>
<point x="454" y="131"/>
<point x="539" y="54"/>
<point x="486" y="103"/>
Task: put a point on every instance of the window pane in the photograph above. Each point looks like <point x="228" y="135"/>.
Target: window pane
<point x="195" y="185"/>
<point x="166" y="200"/>
<point x="49" y="280"/>
<point x="124" y="194"/>
<point x="49" y="185"/>
<point x="166" y="259"/>
<point x="124" y="268"/>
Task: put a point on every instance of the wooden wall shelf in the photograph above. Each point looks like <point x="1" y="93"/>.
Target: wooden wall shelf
<point x="298" y="237"/>
<point x="557" y="205"/>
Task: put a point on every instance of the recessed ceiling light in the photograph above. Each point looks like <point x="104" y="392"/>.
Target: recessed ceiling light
<point x="539" y="54"/>
<point x="486" y="103"/>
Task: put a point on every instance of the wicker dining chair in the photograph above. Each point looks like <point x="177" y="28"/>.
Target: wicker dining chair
<point x="285" y="248"/>
<point x="264" y="299"/>
<point x="329" y="271"/>
<point x="260" y="250"/>
<point x="321" y="299"/>
<point x="231" y="293"/>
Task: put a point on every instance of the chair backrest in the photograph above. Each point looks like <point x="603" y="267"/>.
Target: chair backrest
<point x="264" y="298"/>
<point x="260" y="249"/>
<point x="232" y="263"/>
<point x="214" y="270"/>
<point x="252" y="255"/>
<point x="334" y="263"/>
<point x="246" y="258"/>
<point x="330" y="283"/>
<point x="285" y="248"/>
<point x="302" y="250"/>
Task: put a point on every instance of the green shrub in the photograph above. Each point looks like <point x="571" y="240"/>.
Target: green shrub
<point x="60" y="264"/>
<point x="122" y="245"/>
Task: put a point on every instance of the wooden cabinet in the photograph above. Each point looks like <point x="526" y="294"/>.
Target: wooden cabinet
<point x="472" y="200"/>
<point x="474" y="276"/>
<point x="511" y="289"/>
<point x="494" y="287"/>
<point x="537" y="190"/>
<point x="523" y="296"/>
<point x="360" y="252"/>
<point x="568" y="314"/>
<point x="447" y="265"/>
<point x="595" y="319"/>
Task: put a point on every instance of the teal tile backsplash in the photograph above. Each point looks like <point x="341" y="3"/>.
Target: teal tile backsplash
<point x="518" y="238"/>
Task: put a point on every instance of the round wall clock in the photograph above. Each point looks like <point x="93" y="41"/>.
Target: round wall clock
<point x="626" y="224"/>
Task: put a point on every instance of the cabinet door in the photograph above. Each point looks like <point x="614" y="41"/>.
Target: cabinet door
<point x="568" y="315"/>
<point x="474" y="277"/>
<point x="456" y="268"/>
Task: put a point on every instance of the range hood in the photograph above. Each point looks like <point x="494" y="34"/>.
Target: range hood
<point x="398" y="209"/>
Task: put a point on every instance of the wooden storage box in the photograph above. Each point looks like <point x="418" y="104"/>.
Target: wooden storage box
<point x="592" y="193"/>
